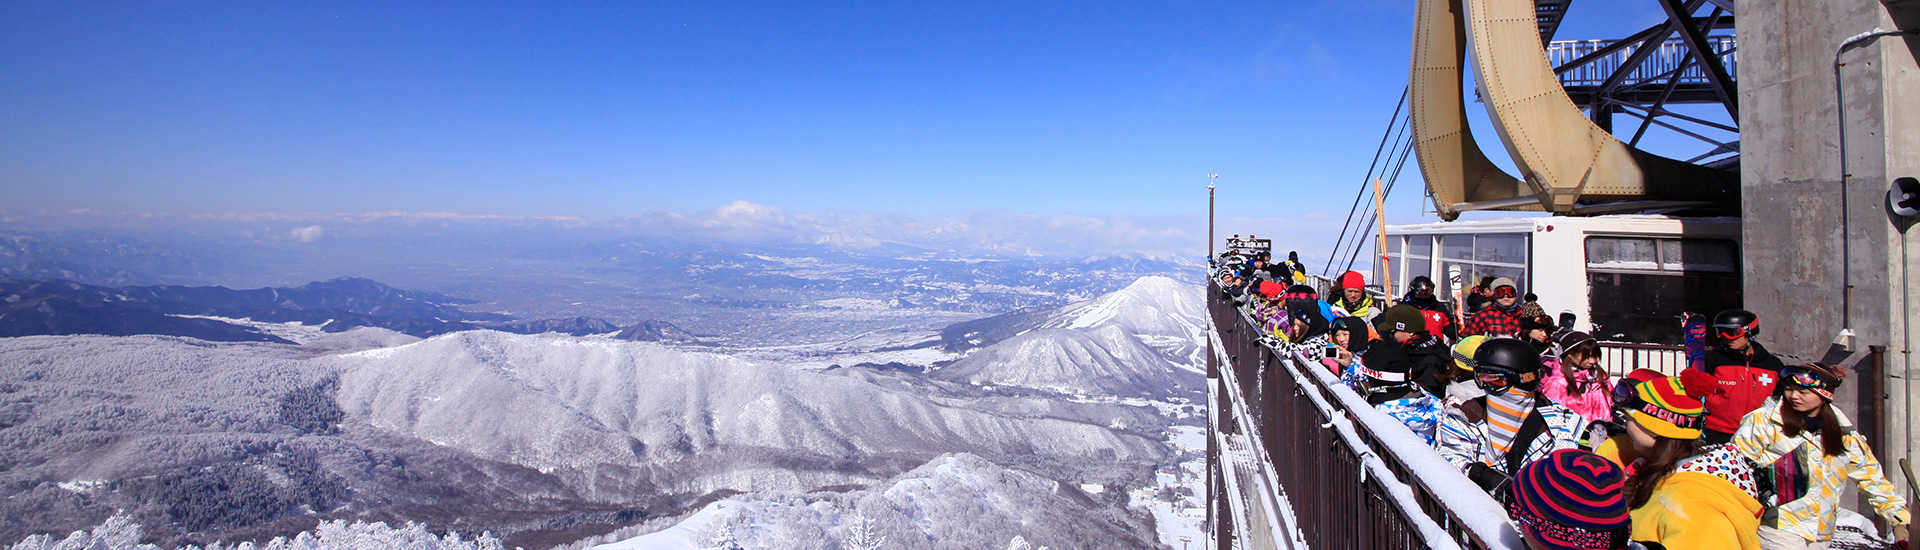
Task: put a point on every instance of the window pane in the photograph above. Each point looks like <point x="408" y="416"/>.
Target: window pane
<point x="1420" y="245"/>
<point x="1416" y="267"/>
<point x="1622" y="253"/>
<point x="1458" y="247"/>
<point x="1380" y="268"/>
<point x="1519" y="276"/>
<point x="1634" y="307"/>
<point x="1393" y="243"/>
<point x="1700" y="255"/>
<point x="1505" y="248"/>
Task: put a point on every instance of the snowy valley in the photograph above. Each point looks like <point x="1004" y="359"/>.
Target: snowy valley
<point x="1068" y="426"/>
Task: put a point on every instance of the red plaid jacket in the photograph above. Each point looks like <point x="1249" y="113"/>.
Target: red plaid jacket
<point x="1493" y="321"/>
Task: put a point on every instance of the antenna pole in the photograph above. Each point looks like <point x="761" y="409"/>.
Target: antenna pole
<point x="1210" y="180"/>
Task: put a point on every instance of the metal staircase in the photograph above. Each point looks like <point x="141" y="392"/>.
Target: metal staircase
<point x="1549" y="13"/>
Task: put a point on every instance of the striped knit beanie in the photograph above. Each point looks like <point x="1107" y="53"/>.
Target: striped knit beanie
<point x="1662" y="406"/>
<point x="1571" y="500"/>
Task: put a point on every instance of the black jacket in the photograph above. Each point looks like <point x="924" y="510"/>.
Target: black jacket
<point x="1424" y="360"/>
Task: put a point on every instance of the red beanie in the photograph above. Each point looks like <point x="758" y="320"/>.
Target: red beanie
<point x="1351" y="279"/>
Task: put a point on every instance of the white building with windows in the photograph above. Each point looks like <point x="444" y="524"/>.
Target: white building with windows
<point x="1627" y="278"/>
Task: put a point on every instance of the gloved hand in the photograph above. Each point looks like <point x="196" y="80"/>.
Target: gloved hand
<point x="1493" y="481"/>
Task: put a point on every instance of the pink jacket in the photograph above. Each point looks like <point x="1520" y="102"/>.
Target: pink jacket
<point x="1594" y="404"/>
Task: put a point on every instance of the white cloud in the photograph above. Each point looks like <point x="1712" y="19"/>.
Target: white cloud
<point x="305" y="234"/>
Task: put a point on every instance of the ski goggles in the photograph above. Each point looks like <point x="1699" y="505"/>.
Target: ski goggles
<point x="1729" y="332"/>
<point x="1495" y="382"/>
<point x="1805" y="377"/>
<point x="1623" y="391"/>
<point x="1505" y="292"/>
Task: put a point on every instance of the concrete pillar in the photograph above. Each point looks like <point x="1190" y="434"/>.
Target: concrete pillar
<point x="1790" y="182"/>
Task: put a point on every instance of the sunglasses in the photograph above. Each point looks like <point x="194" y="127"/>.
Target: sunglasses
<point x="1504" y="292"/>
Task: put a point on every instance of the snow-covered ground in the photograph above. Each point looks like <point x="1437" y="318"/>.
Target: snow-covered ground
<point x="292" y="331"/>
<point x="1177" y="501"/>
<point x="682" y="536"/>
<point x="1154" y="324"/>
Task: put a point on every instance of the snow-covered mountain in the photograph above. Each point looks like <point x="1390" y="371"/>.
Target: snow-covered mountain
<point x="545" y="439"/>
<point x="1137" y="341"/>
<point x="1107" y="360"/>
<point x="678" y="422"/>
<point x="1162" y="312"/>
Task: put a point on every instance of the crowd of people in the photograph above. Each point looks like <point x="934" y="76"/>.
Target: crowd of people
<point x="1738" y="451"/>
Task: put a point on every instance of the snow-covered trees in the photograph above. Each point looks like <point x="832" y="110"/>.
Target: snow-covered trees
<point x="121" y="533"/>
<point x="861" y="534"/>
<point x="723" y="537"/>
<point x="1020" y="543"/>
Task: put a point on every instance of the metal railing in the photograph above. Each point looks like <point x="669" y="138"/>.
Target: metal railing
<point x="1361" y="479"/>
<point x="1620" y="358"/>
<point x="1656" y="67"/>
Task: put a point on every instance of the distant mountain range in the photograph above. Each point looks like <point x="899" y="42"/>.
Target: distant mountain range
<point x="547" y="438"/>
<point x="54" y="307"/>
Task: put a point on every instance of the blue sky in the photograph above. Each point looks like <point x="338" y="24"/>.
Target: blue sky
<point x="613" y="109"/>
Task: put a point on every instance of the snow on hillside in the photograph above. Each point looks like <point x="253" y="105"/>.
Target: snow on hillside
<point x="953" y="501"/>
<point x="1106" y="361"/>
<point x="1164" y="313"/>
<point x="618" y="417"/>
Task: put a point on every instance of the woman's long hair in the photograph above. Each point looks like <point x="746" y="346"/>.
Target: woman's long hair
<point x="1656" y="465"/>
<point x="1832" y="436"/>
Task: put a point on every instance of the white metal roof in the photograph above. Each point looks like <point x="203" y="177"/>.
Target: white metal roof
<point x="1620" y="224"/>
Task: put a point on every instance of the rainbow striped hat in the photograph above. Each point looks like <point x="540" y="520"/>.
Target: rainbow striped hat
<point x="1663" y="407"/>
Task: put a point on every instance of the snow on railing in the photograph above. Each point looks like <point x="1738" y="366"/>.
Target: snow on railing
<point x="1375" y="484"/>
<point x="1266" y="514"/>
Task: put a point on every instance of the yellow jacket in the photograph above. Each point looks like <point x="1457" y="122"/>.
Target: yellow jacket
<point x="1697" y="510"/>
<point x="1618" y="449"/>
<point x="1762" y="440"/>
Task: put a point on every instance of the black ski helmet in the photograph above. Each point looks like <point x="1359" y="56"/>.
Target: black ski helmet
<point x="1737" y="319"/>
<point x="1508" y="357"/>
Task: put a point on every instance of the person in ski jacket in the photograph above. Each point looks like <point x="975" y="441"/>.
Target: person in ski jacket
<point x="1347" y="337"/>
<point x="1479" y="296"/>
<point x="1502" y="316"/>
<point x="1609" y="438"/>
<point x="1303" y="297"/>
<point x="1385" y="380"/>
<point x="1684" y="495"/>
<point x="1256" y="270"/>
<point x="1438" y="317"/>
<point x="1520" y="426"/>
<point x="1296" y="273"/>
<point x="1743" y="372"/>
<point x="1463" y="393"/>
<point x="1350" y="297"/>
<point x="1306" y="333"/>
<point x="1571" y="500"/>
<point x="1403" y="327"/>
<point x="1537" y="331"/>
<point x="1267" y="311"/>
<point x="1574" y="377"/>
<point x="1812" y="450"/>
